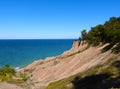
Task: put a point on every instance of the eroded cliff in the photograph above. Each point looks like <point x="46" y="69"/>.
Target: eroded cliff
<point x="81" y="57"/>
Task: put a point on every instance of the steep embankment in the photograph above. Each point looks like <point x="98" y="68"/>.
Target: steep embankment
<point x="78" y="59"/>
<point x="4" y="85"/>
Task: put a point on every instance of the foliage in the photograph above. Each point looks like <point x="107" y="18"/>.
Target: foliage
<point x="6" y="73"/>
<point x="109" y="32"/>
<point x="57" y="85"/>
<point x="23" y="76"/>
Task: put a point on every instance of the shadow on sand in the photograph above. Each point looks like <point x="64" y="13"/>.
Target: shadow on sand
<point x="100" y="81"/>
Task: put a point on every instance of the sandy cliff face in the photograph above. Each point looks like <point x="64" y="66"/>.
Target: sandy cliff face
<point x="4" y="85"/>
<point x="78" y="59"/>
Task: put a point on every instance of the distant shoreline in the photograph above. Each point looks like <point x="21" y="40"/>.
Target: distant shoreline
<point x="41" y="39"/>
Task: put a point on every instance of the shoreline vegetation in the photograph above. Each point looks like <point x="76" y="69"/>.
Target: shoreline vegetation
<point x="96" y="63"/>
<point x="7" y="74"/>
<point x="109" y="32"/>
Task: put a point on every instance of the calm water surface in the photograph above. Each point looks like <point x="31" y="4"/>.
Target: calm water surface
<point x="19" y="53"/>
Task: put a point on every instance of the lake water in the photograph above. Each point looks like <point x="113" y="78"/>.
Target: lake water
<point x="19" y="53"/>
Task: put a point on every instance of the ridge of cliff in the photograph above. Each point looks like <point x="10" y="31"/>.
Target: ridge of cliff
<point x="81" y="57"/>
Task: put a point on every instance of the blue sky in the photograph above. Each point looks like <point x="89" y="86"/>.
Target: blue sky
<point x="53" y="19"/>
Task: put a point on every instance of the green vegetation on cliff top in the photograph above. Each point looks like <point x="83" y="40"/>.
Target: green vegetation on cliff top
<point x="99" y="77"/>
<point x="109" y="32"/>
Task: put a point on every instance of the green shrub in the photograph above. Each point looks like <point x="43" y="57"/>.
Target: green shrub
<point x="6" y="73"/>
<point x="23" y="76"/>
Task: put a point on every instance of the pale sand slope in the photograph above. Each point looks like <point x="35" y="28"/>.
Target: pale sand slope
<point x="51" y="69"/>
<point x="4" y="85"/>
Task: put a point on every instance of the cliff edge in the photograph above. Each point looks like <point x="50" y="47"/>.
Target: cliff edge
<point x="81" y="57"/>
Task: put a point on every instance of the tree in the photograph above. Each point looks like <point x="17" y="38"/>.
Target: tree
<point x="109" y="32"/>
<point x="84" y="34"/>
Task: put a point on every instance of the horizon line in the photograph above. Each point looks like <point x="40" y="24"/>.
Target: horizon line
<point x="39" y="39"/>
